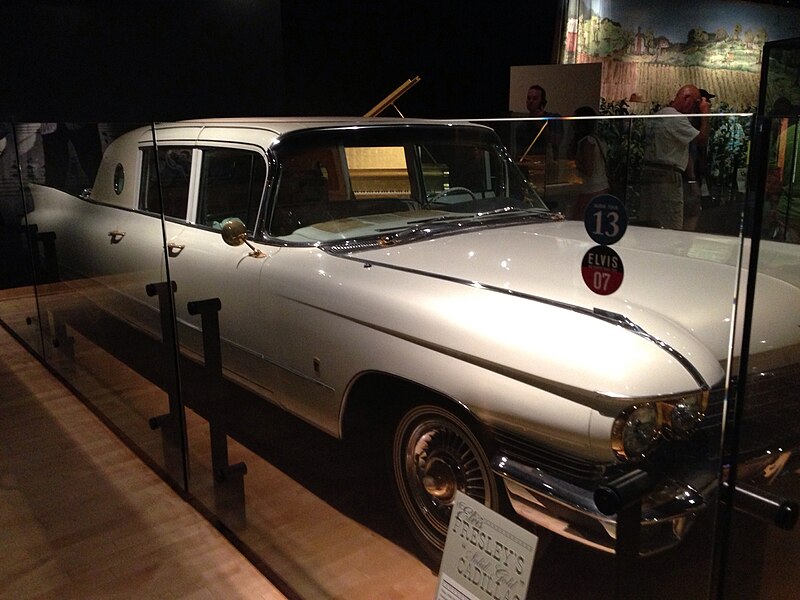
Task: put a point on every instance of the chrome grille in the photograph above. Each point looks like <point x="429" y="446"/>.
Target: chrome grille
<point x="558" y="464"/>
<point x="771" y="410"/>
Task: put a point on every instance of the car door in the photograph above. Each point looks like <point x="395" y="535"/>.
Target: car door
<point x="228" y="182"/>
<point x="129" y="249"/>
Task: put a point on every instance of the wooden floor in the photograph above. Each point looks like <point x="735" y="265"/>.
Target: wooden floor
<point x="82" y="517"/>
<point x="315" y="515"/>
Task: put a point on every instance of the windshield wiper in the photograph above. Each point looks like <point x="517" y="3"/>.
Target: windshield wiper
<point x="442" y="224"/>
<point x="442" y="219"/>
<point x="506" y="211"/>
<point x="421" y="228"/>
<point x="513" y="211"/>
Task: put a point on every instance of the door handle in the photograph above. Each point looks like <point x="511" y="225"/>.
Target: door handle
<point x="174" y="249"/>
<point x="116" y="236"/>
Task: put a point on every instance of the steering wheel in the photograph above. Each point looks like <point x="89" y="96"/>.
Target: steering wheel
<point x="437" y="196"/>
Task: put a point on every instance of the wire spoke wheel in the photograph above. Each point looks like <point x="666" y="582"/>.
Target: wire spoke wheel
<point x="434" y="455"/>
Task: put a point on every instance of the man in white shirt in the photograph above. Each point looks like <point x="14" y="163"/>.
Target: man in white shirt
<point x="666" y="154"/>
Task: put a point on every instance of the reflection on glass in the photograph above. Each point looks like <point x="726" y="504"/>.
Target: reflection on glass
<point x="782" y="203"/>
<point x="393" y="265"/>
<point x="769" y="415"/>
<point x="617" y="153"/>
<point x="26" y="254"/>
<point x="72" y="153"/>
<point x="93" y="261"/>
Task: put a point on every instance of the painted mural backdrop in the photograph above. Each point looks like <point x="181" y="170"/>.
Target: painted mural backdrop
<point x="649" y="49"/>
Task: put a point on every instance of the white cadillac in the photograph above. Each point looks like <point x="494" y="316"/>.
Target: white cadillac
<point x="399" y="281"/>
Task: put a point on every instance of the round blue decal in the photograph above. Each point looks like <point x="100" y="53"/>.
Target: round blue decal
<point x="605" y="219"/>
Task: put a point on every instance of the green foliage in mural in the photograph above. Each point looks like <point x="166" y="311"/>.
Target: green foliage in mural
<point x="727" y="149"/>
<point x="625" y="141"/>
<point x="728" y="144"/>
<point x="738" y="50"/>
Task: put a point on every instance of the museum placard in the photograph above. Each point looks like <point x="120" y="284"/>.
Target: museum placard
<point x="486" y="556"/>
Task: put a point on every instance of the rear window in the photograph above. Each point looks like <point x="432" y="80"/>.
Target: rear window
<point x="173" y="170"/>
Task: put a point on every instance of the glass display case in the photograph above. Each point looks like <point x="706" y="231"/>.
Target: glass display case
<point x="320" y="331"/>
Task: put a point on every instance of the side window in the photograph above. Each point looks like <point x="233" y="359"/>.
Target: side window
<point x="231" y="184"/>
<point x="174" y="168"/>
<point x="310" y="179"/>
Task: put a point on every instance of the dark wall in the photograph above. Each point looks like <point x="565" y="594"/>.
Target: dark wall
<point x="137" y="60"/>
<point x="159" y="60"/>
<point x="343" y="57"/>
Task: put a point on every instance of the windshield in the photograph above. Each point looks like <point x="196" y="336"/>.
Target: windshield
<point x="337" y="185"/>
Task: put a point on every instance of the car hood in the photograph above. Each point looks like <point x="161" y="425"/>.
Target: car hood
<point x="679" y="287"/>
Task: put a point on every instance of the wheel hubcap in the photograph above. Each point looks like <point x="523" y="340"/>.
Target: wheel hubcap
<point x="439" y="480"/>
<point x="435" y="457"/>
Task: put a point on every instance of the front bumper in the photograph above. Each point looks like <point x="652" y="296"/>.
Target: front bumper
<point x="668" y="510"/>
<point x="570" y="511"/>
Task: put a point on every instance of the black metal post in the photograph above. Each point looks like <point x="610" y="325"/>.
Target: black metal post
<point x="623" y="497"/>
<point x="172" y="424"/>
<point x="228" y="479"/>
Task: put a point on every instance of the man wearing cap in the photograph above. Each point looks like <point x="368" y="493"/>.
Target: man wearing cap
<point x="695" y="185"/>
<point x="666" y="157"/>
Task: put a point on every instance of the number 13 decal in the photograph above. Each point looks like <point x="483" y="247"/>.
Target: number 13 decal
<point x="605" y="219"/>
<point x="606" y="223"/>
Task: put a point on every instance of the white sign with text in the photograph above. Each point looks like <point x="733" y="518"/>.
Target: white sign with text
<point x="486" y="556"/>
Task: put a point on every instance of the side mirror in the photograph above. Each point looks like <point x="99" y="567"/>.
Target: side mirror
<point x="234" y="233"/>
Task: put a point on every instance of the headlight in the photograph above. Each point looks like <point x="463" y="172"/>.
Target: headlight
<point x="636" y="431"/>
<point x="682" y="416"/>
<point x="639" y="428"/>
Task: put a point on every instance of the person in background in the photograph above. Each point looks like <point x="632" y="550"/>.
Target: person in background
<point x="589" y="152"/>
<point x="536" y="101"/>
<point x="85" y="140"/>
<point x="541" y="137"/>
<point x="666" y="156"/>
<point x="538" y="142"/>
<point x="696" y="190"/>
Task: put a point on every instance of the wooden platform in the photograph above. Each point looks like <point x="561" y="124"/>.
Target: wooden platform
<point x="315" y="517"/>
<point x="82" y="517"/>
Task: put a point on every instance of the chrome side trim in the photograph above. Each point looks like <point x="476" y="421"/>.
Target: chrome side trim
<point x="608" y="316"/>
<point x="593" y="399"/>
<point x="245" y="350"/>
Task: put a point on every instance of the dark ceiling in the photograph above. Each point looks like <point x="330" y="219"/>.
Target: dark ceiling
<point x="155" y="60"/>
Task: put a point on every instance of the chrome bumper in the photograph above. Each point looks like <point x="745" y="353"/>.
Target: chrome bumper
<point x="668" y="510"/>
<point x="570" y="511"/>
